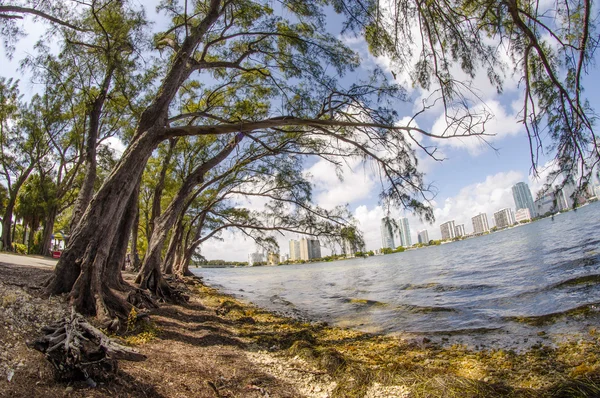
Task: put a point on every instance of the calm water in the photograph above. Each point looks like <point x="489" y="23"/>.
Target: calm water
<point x="475" y="291"/>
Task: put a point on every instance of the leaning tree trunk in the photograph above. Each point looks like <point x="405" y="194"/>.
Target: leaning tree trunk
<point x="150" y="276"/>
<point x="113" y="275"/>
<point x="174" y="244"/>
<point x="80" y="270"/>
<point x="136" y="263"/>
<point x="87" y="188"/>
<point x="47" y="232"/>
<point x="160" y="186"/>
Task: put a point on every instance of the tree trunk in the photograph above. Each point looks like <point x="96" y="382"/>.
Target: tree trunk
<point x="150" y="276"/>
<point x="174" y="244"/>
<point x="135" y="258"/>
<point x="7" y="223"/>
<point x="118" y="252"/>
<point x="47" y="232"/>
<point x="80" y="270"/>
<point x="87" y="188"/>
<point x="183" y="264"/>
<point x="160" y="186"/>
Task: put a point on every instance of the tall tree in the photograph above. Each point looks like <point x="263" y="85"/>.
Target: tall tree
<point x="23" y="145"/>
<point x="235" y="56"/>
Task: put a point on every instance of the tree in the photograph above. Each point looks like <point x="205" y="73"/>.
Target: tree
<point x="251" y="54"/>
<point x="23" y="145"/>
<point x="551" y="48"/>
<point x="251" y="71"/>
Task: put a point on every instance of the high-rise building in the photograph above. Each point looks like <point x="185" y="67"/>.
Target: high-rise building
<point x="387" y="233"/>
<point x="349" y="248"/>
<point x="423" y="237"/>
<point x="459" y="230"/>
<point x="448" y="230"/>
<point x="522" y="215"/>
<point x="480" y="224"/>
<point x="504" y="218"/>
<point x="405" y="240"/>
<point x="555" y="201"/>
<point x="309" y="249"/>
<point x="254" y="258"/>
<point x="523" y="199"/>
<point x="294" y="250"/>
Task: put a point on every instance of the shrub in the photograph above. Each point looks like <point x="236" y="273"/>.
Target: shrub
<point x="20" y="248"/>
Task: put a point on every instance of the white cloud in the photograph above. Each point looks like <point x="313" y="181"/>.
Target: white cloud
<point x="358" y="183"/>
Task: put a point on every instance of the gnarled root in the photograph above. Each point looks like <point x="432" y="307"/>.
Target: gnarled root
<point x="162" y="288"/>
<point x="79" y="351"/>
<point x="141" y="299"/>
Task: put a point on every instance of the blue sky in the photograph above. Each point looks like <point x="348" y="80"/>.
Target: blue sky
<point x="473" y="178"/>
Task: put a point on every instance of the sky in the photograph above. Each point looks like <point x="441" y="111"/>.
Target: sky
<point x="474" y="177"/>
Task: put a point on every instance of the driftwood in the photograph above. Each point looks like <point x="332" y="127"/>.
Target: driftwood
<point x="79" y="351"/>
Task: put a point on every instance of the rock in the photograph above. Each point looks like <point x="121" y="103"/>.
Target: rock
<point x="10" y="374"/>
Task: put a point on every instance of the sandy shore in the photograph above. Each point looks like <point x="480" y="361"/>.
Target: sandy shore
<point x="215" y="346"/>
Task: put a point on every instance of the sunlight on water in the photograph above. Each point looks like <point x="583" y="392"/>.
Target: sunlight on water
<point x="539" y="279"/>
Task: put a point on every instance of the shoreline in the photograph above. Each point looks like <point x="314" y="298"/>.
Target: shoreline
<point x="216" y="345"/>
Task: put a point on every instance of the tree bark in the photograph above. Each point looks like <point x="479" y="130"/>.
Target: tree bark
<point x="150" y="276"/>
<point x="87" y="188"/>
<point x="112" y="273"/>
<point x="135" y="258"/>
<point x="81" y="266"/>
<point x="160" y="186"/>
<point x="47" y="232"/>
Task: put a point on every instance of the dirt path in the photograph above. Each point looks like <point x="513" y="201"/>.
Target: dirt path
<point x="193" y="352"/>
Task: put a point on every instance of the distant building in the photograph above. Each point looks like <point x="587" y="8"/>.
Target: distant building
<point x="284" y="258"/>
<point x="294" y="250"/>
<point x="387" y="233"/>
<point x="523" y="199"/>
<point x="522" y="215"/>
<point x="254" y="258"/>
<point x="480" y="224"/>
<point x="309" y="249"/>
<point x="448" y="230"/>
<point x="405" y="240"/>
<point x="349" y="248"/>
<point x="423" y="237"/>
<point x="273" y="258"/>
<point x="504" y="218"/>
<point x="459" y="230"/>
<point x="554" y="201"/>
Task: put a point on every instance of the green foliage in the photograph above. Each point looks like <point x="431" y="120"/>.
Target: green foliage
<point x="20" y="248"/>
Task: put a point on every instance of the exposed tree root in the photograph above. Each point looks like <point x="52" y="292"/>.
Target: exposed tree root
<point x="79" y="351"/>
<point x="141" y="299"/>
<point x="161" y="288"/>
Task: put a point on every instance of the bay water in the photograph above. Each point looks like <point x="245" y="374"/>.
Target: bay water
<point x="531" y="284"/>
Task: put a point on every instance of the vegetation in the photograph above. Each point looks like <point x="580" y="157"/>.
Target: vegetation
<point x="228" y="104"/>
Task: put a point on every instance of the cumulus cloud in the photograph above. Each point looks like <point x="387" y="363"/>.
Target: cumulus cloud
<point x="358" y="182"/>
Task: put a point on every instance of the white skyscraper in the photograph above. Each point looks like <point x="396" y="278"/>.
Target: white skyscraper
<point x="423" y="237"/>
<point x="448" y="230"/>
<point x="294" y="250"/>
<point x="504" y="218"/>
<point x="480" y="224"/>
<point x="387" y="233"/>
<point x="405" y="240"/>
